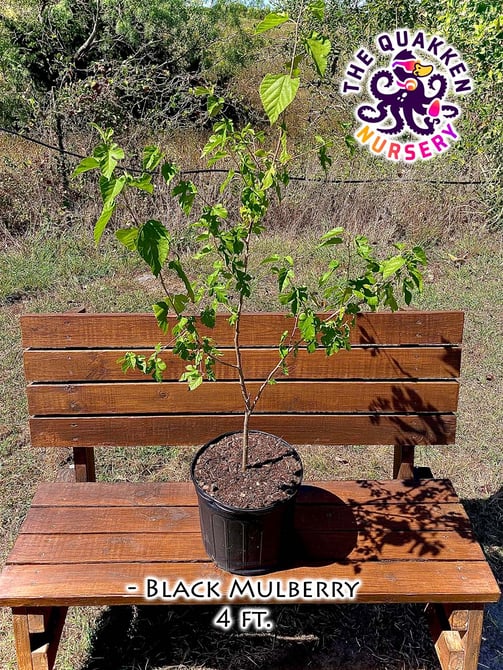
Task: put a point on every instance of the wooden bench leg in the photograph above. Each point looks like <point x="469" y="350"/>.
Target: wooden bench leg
<point x="37" y="632"/>
<point x="457" y="633"/>
<point x="403" y="462"/>
<point x="83" y="458"/>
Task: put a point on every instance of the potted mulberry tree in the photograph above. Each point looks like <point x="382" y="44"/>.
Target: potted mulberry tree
<point x="243" y="524"/>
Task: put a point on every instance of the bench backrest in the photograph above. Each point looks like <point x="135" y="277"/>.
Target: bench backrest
<point x="397" y="386"/>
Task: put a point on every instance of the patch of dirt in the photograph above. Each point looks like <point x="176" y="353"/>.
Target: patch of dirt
<point x="273" y="473"/>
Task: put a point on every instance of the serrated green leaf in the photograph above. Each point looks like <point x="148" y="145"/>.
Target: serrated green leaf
<point x="208" y="317"/>
<point x="177" y="267"/>
<point x="202" y="90"/>
<point x="108" y="155"/>
<point x="214" y="105"/>
<point x="317" y="9"/>
<point x="420" y="255"/>
<point x="152" y="156"/>
<point x="178" y="302"/>
<point x="86" y="164"/>
<point x="307" y="326"/>
<point x="227" y="181"/>
<point x="277" y="92"/>
<point x="272" y="20"/>
<point x="168" y="171"/>
<point x="186" y="192"/>
<point x="101" y="223"/>
<point x="144" y="183"/>
<point x="128" y="237"/>
<point x="389" y="267"/>
<point x="110" y="189"/>
<point x="332" y="237"/>
<point x="161" y="311"/>
<point x="318" y="47"/>
<point x="153" y="245"/>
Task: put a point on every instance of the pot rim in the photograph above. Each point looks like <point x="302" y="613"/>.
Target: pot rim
<point x="232" y="508"/>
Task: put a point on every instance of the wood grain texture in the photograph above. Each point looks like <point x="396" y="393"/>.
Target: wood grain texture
<point x="378" y="544"/>
<point x="166" y="494"/>
<point x="450" y="651"/>
<point x="381" y="582"/>
<point x="139" y="330"/>
<point x="160" y="520"/>
<point x="21" y="637"/>
<point x="359" y="363"/>
<point x="218" y="397"/>
<point x="191" y="430"/>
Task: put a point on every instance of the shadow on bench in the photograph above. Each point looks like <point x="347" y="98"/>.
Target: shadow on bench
<point x="407" y="540"/>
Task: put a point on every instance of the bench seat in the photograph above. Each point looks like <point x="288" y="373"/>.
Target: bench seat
<point x="84" y="543"/>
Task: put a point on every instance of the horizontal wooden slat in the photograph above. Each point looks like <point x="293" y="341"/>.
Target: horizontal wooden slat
<point x="189" y="430"/>
<point x="175" y="547"/>
<point x="165" y="494"/>
<point x="400" y="581"/>
<point x="159" y="520"/>
<point x="359" y="363"/>
<point x="218" y="397"/>
<point x="139" y="330"/>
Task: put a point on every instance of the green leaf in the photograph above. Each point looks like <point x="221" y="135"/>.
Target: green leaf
<point x="208" y="317"/>
<point x="193" y="376"/>
<point x="317" y="9"/>
<point x="227" y="181"/>
<point x="108" y="155"/>
<point x="128" y="237"/>
<point x="168" y="171"/>
<point x="177" y="267"/>
<point x="391" y="266"/>
<point x="318" y="47"/>
<point x="161" y="310"/>
<point x="178" y="302"/>
<point x="202" y="90"/>
<point x="268" y="180"/>
<point x="186" y="191"/>
<point x="101" y="223"/>
<point x="420" y="255"/>
<point x="307" y="326"/>
<point x="332" y="237"/>
<point x="144" y="183"/>
<point x="153" y="245"/>
<point x="214" y="105"/>
<point x="152" y="156"/>
<point x="110" y="189"/>
<point x="85" y="164"/>
<point x="277" y="91"/>
<point x="271" y="21"/>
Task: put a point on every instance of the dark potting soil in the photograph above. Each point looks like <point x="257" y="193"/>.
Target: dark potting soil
<point x="274" y="471"/>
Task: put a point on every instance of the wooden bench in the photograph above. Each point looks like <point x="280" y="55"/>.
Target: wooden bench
<point x="405" y="540"/>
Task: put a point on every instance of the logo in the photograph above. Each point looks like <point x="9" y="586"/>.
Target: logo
<point x="408" y="88"/>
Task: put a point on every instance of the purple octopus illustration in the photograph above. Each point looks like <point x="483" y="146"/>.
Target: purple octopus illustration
<point x="408" y="98"/>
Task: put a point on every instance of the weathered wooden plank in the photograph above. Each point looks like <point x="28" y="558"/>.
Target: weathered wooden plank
<point x="218" y="397"/>
<point x="44" y="657"/>
<point x="380" y="581"/>
<point x="379" y="544"/>
<point x="450" y="651"/>
<point x="21" y="636"/>
<point x="165" y="494"/>
<point x="138" y="330"/>
<point x="190" y="430"/>
<point x="395" y="517"/>
<point x="359" y="363"/>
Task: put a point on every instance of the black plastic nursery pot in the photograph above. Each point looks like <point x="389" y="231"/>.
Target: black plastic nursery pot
<point x="246" y="541"/>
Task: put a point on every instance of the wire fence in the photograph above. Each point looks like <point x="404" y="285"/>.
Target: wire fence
<point x="301" y="178"/>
